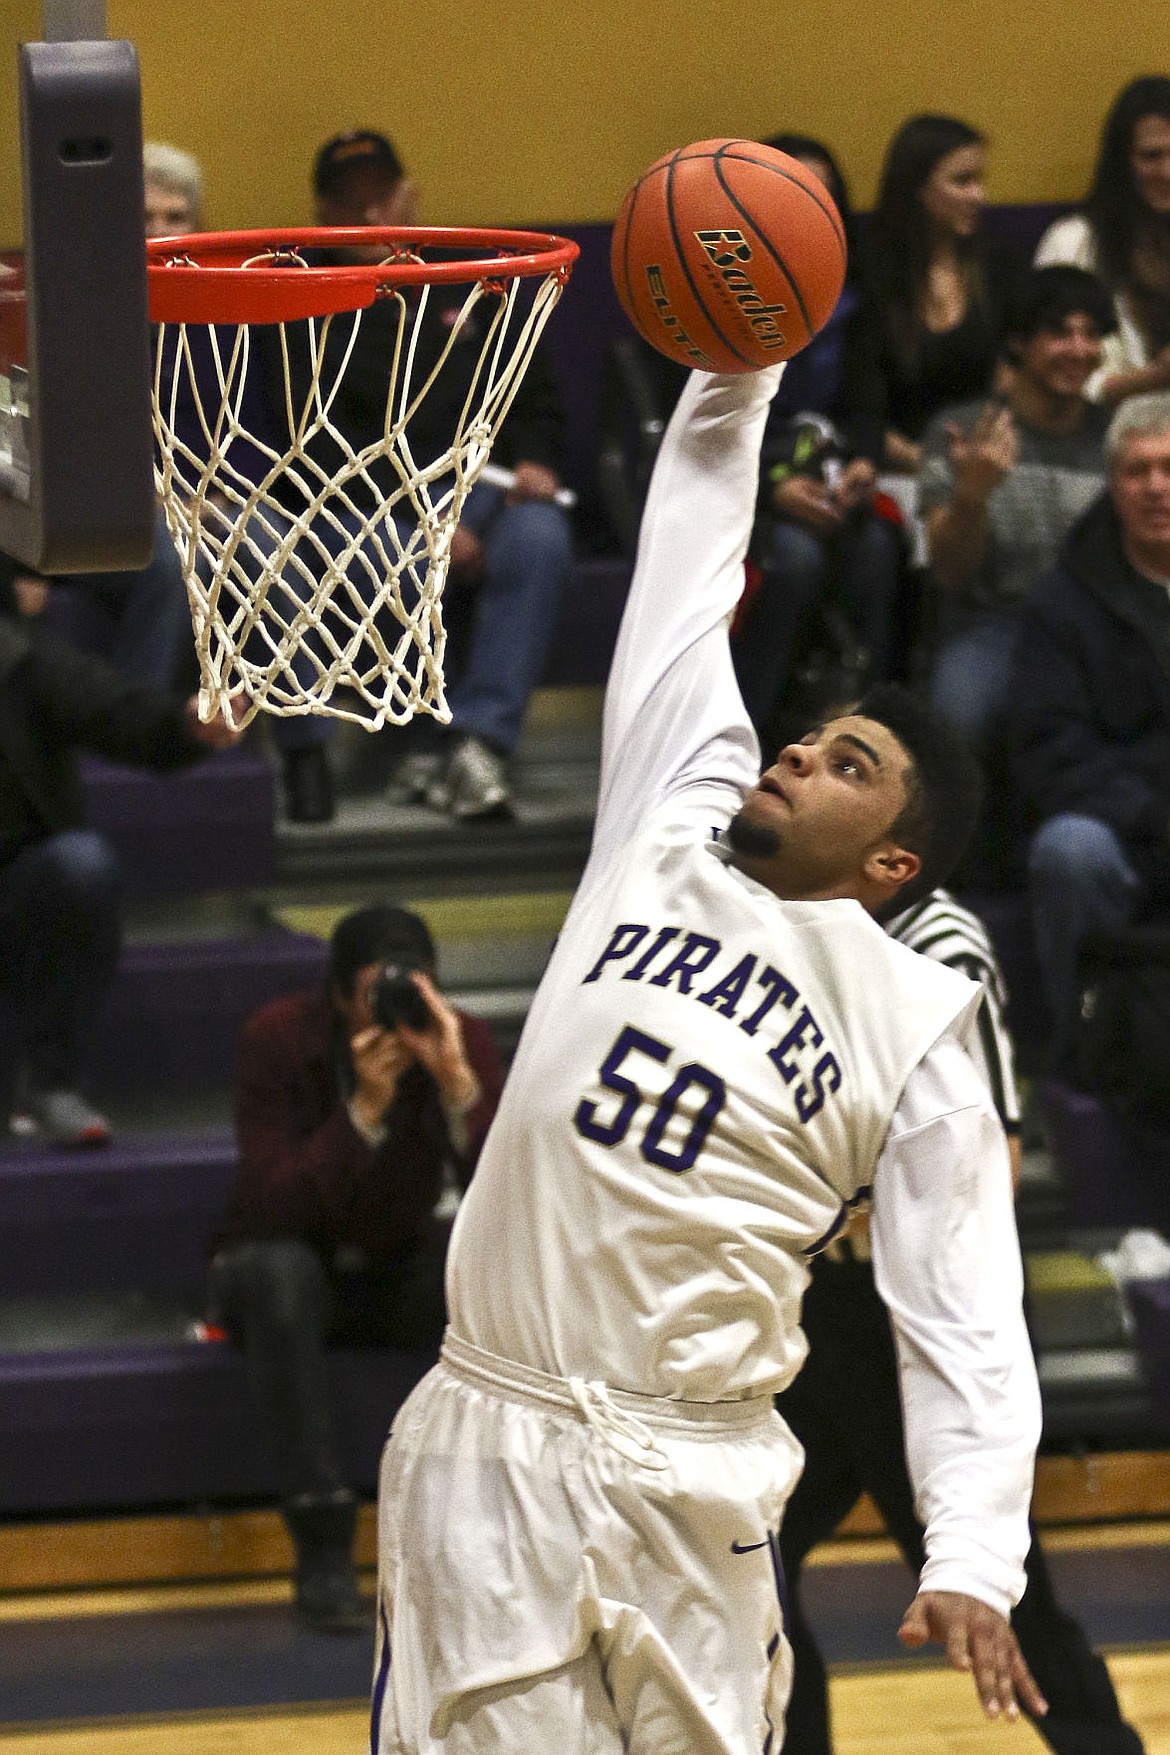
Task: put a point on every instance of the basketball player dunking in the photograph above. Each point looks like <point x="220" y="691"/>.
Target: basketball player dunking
<point x="579" y="1505"/>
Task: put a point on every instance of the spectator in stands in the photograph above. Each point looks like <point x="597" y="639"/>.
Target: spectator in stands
<point x="818" y="536"/>
<point x="349" y="1125"/>
<point x="1091" y="711"/>
<point x="60" y="917"/>
<point x="844" y="1409"/>
<point x="173" y="189"/>
<point x="1123" y="234"/>
<point x="935" y="287"/>
<point x="512" y="550"/>
<point x="1002" y="482"/>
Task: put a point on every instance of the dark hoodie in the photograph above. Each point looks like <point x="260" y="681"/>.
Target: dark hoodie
<point x="1091" y="693"/>
<point x="54" y="702"/>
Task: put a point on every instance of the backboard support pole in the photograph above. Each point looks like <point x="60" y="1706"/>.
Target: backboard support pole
<point x="73" y="21"/>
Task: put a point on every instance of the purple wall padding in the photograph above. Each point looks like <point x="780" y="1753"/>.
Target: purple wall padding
<point x="209" y="827"/>
<point x="175" y="1011"/>
<point x="1150" y="1302"/>
<point x="110" y="1428"/>
<point x="131" y="1217"/>
<point x="1115" y="1175"/>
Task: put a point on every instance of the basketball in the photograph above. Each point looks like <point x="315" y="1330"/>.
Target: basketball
<point x="728" y="255"/>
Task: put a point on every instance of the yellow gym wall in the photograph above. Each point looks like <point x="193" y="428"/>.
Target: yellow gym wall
<point x="545" y="112"/>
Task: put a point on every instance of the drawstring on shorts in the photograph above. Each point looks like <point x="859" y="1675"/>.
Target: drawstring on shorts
<point x="621" y="1430"/>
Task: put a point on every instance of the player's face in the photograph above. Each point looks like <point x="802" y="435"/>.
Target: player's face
<point x="956" y="190"/>
<point x="824" y="810"/>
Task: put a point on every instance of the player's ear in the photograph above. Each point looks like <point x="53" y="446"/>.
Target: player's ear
<point x="890" y="866"/>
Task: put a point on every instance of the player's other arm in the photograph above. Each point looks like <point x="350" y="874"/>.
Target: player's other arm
<point x="947" y="1264"/>
<point x="673" y="710"/>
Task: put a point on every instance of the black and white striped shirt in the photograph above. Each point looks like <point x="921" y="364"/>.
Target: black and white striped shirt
<point x="942" y="928"/>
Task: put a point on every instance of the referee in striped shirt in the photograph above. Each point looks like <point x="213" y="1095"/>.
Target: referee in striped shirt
<point x="844" y="1409"/>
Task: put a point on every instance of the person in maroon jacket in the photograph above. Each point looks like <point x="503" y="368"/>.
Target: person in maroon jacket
<point x="358" y="1105"/>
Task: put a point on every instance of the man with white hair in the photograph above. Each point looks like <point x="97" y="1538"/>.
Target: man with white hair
<point x="1091" y="711"/>
<point x="173" y="187"/>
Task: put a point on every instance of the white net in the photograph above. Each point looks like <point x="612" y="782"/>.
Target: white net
<point x="315" y="576"/>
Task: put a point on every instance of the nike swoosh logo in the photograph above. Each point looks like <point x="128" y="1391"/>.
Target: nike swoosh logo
<point x="747" y="1547"/>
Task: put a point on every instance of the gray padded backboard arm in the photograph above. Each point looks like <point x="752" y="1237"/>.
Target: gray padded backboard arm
<point x="87" y="501"/>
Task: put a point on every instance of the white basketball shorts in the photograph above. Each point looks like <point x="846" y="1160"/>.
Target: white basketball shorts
<point x="568" y="1570"/>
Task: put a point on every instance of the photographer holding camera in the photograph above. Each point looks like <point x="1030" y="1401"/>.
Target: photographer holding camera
<point x="357" y="1104"/>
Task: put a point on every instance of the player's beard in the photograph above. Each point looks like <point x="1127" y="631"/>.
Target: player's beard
<point x="750" y="839"/>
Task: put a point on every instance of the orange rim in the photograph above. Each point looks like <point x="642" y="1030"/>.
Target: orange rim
<point x="255" y="277"/>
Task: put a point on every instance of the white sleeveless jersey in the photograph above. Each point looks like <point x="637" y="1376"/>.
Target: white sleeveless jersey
<point x="703" y="1087"/>
<point x="707" y="1073"/>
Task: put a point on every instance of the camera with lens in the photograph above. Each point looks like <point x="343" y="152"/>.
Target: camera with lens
<point x="394" y="998"/>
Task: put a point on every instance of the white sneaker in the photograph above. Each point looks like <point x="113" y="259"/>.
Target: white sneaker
<point x="66" y="1117"/>
<point x="475" y="784"/>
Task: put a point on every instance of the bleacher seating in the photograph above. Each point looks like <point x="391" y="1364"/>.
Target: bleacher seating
<point x="209" y="827"/>
<point x="166" y="1421"/>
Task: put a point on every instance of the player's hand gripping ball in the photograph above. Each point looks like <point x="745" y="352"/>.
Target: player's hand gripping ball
<point x="728" y="255"/>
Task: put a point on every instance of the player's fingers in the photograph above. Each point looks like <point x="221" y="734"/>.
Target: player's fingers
<point x="958" y="1643"/>
<point x="915" y="1628"/>
<point x="1026" y="1687"/>
<point x="1002" y="1677"/>
<point x="992" y="1672"/>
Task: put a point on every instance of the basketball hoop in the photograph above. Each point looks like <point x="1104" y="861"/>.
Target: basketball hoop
<point x="310" y="578"/>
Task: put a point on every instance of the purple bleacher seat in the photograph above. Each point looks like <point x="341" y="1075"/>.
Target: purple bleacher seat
<point x="1150" y="1302"/>
<point x="133" y="1216"/>
<point x="1115" y="1174"/>
<point x="209" y="827"/>
<point x="175" y="1010"/>
<point x="173" y="1423"/>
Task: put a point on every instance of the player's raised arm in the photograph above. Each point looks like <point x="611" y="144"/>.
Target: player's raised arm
<point x="673" y="710"/>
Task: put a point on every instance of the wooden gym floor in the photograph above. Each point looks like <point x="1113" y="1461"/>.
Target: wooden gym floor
<point x="220" y="1665"/>
<point x="875" y="1712"/>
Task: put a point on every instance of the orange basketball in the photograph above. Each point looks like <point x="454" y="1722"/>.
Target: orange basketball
<point x="728" y="255"/>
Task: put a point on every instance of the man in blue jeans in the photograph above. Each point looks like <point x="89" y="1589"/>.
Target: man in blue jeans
<point x="511" y="551"/>
<point x="1091" y="711"/>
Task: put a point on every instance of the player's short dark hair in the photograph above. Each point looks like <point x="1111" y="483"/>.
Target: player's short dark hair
<point x="377" y="934"/>
<point x="1046" y="297"/>
<point x="945" y="786"/>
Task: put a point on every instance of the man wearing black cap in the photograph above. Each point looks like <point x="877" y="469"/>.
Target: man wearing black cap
<point x="356" y="1103"/>
<point x="514" y="548"/>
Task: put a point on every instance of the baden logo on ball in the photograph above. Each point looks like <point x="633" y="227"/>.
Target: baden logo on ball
<point x="728" y="255"/>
